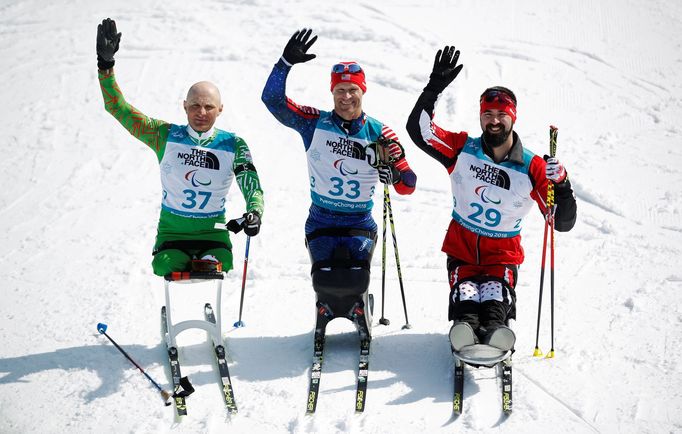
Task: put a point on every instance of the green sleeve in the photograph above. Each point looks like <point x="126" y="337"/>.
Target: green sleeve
<point x="151" y="132"/>
<point x="247" y="177"/>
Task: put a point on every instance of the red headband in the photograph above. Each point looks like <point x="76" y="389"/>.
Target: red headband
<point x="499" y="101"/>
<point x="346" y="76"/>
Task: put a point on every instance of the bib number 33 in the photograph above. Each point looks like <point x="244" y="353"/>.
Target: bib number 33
<point x="349" y="189"/>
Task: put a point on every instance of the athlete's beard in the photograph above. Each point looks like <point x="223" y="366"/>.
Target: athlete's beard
<point x="494" y="140"/>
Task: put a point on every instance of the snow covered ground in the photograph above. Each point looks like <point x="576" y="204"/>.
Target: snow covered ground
<point x="80" y="199"/>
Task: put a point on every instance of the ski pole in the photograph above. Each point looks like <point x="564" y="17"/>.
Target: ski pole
<point x="387" y="197"/>
<point x="553" y="132"/>
<point x="240" y="323"/>
<point x="550" y="354"/>
<point x="549" y="226"/>
<point x="102" y="329"/>
<point x="383" y="320"/>
<point x="538" y="352"/>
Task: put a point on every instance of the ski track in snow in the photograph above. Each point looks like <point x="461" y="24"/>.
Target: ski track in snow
<point x="80" y="203"/>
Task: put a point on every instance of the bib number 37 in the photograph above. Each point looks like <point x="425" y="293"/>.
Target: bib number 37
<point x="194" y="198"/>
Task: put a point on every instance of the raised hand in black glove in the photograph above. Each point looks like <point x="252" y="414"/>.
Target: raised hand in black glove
<point x="445" y="69"/>
<point x="107" y="43"/>
<point x="298" y="46"/>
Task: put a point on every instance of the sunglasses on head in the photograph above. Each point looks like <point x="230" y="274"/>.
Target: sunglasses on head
<point x="497" y="95"/>
<point x="340" y="68"/>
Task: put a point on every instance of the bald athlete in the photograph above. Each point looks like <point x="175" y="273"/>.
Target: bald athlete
<point x="198" y="164"/>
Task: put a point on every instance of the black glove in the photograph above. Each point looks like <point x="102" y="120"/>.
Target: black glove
<point x="235" y="225"/>
<point x="388" y="174"/>
<point x="445" y="69"/>
<point x="107" y="43"/>
<point x="383" y="151"/>
<point x="297" y="47"/>
<point x="250" y="222"/>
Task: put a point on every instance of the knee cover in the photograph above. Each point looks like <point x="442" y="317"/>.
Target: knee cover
<point x="463" y="308"/>
<point x="498" y="303"/>
<point x="493" y="313"/>
<point x="170" y="260"/>
<point x="224" y="256"/>
<point x="341" y="282"/>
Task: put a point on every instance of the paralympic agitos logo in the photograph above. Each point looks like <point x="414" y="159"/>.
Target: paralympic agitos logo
<point x="196" y="180"/>
<point x="483" y="191"/>
<point x="338" y="164"/>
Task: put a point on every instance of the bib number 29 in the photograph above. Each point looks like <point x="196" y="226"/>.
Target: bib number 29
<point x="194" y="198"/>
<point x="489" y="217"/>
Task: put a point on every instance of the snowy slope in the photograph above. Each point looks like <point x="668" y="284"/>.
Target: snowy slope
<point x="80" y="200"/>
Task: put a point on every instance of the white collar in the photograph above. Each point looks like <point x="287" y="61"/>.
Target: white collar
<point x="200" y="136"/>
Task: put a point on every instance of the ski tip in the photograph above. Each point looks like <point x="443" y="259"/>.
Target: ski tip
<point x="101" y="328"/>
<point x="407" y="326"/>
<point x="239" y="324"/>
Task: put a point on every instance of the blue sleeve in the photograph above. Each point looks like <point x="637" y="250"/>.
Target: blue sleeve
<point x="301" y="118"/>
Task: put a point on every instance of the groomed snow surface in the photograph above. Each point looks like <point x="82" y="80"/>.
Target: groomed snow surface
<point x="80" y="200"/>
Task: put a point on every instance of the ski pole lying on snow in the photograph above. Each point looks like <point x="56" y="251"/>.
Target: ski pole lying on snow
<point x="102" y="329"/>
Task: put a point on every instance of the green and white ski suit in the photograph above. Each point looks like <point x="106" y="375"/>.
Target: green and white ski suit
<point x="197" y="170"/>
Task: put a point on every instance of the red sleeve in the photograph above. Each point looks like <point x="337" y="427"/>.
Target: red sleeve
<point x="408" y="179"/>
<point x="440" y="144"/>
<point x="536" y="171"/>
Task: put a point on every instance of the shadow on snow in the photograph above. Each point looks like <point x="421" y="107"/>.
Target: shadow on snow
<point x="420" y="362"/>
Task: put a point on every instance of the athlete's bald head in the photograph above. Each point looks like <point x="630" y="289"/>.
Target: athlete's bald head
<point x="203" y="105"/>
<point x="204" y="88"/>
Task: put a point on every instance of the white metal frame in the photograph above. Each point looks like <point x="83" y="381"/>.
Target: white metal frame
<point x="213" y="330"/>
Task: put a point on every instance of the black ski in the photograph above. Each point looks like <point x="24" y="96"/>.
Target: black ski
<point x="507" y="386"/>
<point x="504" y="370"/>
<point x="459" y="388"/>
<point x="363" y="372"/>
<point x="324" y="315"/>
<point x="219" y="350"/>
<point x="316" y="371"/>
<point x="176" y="376"/>
<point x="362" y="323"/>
